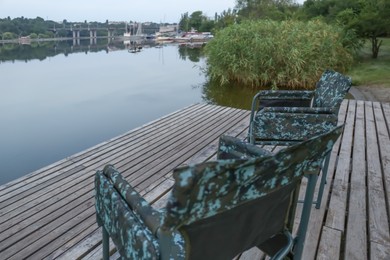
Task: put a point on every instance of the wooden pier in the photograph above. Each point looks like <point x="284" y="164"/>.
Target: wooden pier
<point x="50" y="213"/>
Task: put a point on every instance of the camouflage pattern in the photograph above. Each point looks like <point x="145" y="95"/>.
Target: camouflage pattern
<point x="284" y="125"/>
<point x="203" y="190"/>
<point x="200" y="191"/>
<point x="331" y="90"/>
<point x="231" y="148"/>
<point x="128" y="232"/>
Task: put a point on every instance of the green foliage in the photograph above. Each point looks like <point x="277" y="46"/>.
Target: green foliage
<point x="8" y="36"/>
<point x="184" y="23"/>
<point x="370" y="19"/>
<point x="23" y="26"/>
<point x="368" y="71"/>
<point x="196" y="21"/>
<point x="33" y="36"/>
<point x="266" y="9"/>
<point x="47" y="29"/>
<point x="225" y="19"/>
<point x="287" y="54"/>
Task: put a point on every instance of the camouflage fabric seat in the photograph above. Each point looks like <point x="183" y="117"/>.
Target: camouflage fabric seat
<point x="216" y="209"/>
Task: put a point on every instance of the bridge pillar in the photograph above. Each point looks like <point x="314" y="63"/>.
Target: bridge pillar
<point x="76" y="34"/>
<point x="92" y="41"/>
<point x="76" y="41"/>
<point x="92" y="33"/>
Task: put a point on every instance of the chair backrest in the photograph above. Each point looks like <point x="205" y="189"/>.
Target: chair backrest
<point x="225" y="207"/>
<point x="331" y="89"/>
<point x="232" y="148"/>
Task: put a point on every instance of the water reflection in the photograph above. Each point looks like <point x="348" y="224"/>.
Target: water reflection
<point x="230" y="95"/>
<point x="192" y="52"/>
<point x="40" y="50"/>
<point x="51" y="108"/>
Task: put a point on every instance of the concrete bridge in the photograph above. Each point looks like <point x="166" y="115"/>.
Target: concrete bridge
<point x="76" y="29"/>
<point x="92" y="31"/>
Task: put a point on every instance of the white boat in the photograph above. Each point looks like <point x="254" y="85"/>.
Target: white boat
<point x="194" y="37"/>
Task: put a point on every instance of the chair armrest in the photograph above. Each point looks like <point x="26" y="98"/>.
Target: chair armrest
<point x="280" y="98"/>
<point x="285" y="98"/>
<point x="233" y="148"/>
<point x="284" y="128"/>
<point x="149" y="215"/>
<point x="285" y="94"/>
<point x="130" y="234"/>
<point x="298" y="110"/>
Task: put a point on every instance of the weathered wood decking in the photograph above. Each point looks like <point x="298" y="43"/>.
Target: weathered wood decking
<point x="50" y="213"/>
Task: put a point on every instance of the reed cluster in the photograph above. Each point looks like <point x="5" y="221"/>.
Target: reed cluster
<point x="287" y="54"/>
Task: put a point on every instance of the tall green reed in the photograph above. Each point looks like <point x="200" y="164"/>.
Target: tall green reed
<point x="288" y="54"/>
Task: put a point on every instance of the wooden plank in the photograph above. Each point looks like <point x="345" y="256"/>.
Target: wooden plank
<point x="338" y="202"/>
<point x="46" y="236"/>
<point x="382" y="120"/>
<point x="356" y="232"/>
<point x="17" y="199"/>
<point x="378" y="217"/>
<point x="330" y="244"/>
<point x="379" y="251"/>
<point x="252" y="254"/>
<point x="148" y="144"/>
<point x="68" y="245"/>
<point x="40" y="221"/>
<point x="180" y="152"/>
<point x="209" y="152"/>
<point x="49" y="202"/>
<point x="147" y="163"/>
<point x="153" y="147"/>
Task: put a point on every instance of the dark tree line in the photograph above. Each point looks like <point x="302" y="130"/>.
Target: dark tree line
<point x="38" y="27"/>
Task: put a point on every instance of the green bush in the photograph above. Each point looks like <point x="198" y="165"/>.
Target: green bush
<point x="287" y="54"/>
<point x="33" y="36"/>
<point x="8" y="36"/>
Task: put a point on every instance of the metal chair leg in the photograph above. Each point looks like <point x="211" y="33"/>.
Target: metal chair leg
<point x="323" y="181"/>
<point x="307" y="205"/>
<point x="106" y="244"/>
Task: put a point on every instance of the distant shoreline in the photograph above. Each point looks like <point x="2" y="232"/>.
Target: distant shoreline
<point x="27" y="41"/>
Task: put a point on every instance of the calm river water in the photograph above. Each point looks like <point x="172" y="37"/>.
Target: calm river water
<point x="59" y="98"/>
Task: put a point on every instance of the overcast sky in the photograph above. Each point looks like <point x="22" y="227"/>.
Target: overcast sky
<point x="113" y="10"/>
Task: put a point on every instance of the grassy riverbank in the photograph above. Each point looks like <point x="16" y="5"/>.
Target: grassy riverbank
<point x="368" y="71"/>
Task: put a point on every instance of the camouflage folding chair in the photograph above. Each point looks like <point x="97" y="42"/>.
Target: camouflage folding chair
<point x="287" y="117"/>
<point x="216" y="209"/>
